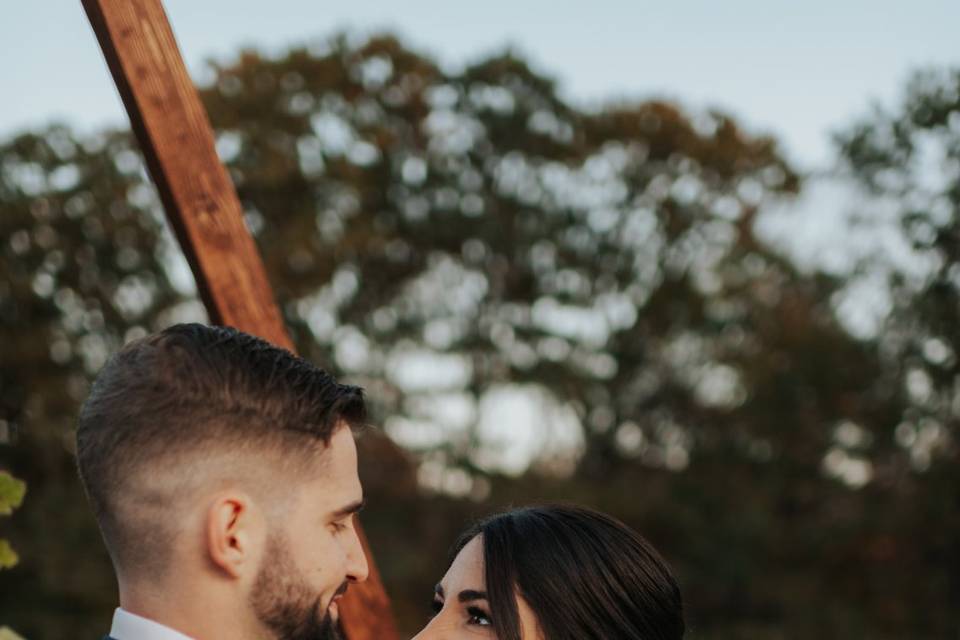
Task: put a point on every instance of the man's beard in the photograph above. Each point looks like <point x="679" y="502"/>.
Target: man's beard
<point x="283" y="601"/>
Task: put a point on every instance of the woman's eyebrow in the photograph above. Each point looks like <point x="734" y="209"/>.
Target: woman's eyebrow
<point x="469" y="595"/>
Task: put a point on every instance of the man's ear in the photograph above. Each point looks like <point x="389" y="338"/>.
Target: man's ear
<point x="234" y="532"/>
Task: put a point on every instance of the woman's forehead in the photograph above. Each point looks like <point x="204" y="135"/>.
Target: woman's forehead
<point x="466" y="571"/>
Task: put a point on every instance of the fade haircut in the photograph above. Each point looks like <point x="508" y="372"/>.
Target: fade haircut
<point x="192" y="405"/>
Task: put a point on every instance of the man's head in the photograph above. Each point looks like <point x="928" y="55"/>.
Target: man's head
<point x="211" y="456"/>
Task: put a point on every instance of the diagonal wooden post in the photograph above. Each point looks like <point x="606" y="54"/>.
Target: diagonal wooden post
<point x="202" y="206"/>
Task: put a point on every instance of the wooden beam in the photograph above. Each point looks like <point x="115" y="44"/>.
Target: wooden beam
<point x="202" y="206"/>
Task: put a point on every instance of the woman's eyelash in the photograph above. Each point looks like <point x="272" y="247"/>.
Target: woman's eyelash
<point x="476" y="615"/>
<point x="479" y="615"/>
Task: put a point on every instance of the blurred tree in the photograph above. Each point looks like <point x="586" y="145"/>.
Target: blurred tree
<point x="495" y="265"/>
<point x="80" y="270"/>
<point x="907" y="163"/>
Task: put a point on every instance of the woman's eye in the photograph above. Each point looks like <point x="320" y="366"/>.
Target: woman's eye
<point x="478" y="616"/>
<point x="435" y="607"/>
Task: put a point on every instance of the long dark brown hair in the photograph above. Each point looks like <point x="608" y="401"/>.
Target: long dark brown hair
<point x="584" y="574"/>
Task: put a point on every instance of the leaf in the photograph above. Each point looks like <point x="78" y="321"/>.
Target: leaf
<point x="6" y="633"/>
<point x="11" y="493"/>
<point x="8" y="557"/>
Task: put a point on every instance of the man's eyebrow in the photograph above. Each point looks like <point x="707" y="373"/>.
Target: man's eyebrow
<point x="469" y="595"/>
<point x="350" y="509"/>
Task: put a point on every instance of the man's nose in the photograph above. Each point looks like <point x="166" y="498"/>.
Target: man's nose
<point x="357" y="567"/>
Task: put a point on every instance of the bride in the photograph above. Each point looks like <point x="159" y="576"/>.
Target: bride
<point x="555" y="573"/>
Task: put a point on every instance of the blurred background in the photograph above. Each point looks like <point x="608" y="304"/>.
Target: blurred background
<point x="695" y="265"/>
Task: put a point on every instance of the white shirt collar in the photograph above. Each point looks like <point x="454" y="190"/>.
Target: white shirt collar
<point x="129" y="626"/>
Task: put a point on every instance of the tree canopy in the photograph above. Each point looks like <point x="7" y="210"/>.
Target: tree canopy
<point x="469" y="245"/>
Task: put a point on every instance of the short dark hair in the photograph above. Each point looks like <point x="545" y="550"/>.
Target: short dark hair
<point x="165" y="405"/>
<point x="584" y="574"/>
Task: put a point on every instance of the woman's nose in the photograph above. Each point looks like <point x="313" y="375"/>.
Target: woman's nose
<point x="433" y="631"/>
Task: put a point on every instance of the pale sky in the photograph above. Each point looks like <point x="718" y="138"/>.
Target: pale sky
<point x="795" y="69"/>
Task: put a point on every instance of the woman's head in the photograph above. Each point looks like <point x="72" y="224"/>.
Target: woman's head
<point x="556" y="573"/>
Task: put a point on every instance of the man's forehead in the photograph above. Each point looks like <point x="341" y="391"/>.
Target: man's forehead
<point x="339" y="450"/>
<point x="335" y="481"/>
<point x="321" y="452"/>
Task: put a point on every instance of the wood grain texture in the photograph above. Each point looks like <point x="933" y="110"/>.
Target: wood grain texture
<point x="202" y="206"/>
<point x="178" y="146"/>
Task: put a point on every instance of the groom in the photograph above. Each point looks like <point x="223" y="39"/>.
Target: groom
<point x="223" y="474"/>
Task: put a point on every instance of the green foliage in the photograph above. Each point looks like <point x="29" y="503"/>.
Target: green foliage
<point x="11" y="496"/>
<point x="8" y="557"/>
<point x="602" y="263"/>
<point x="11" y="493"/>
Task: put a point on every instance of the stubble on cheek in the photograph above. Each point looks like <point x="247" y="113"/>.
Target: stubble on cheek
<point x="284" y="602"/>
